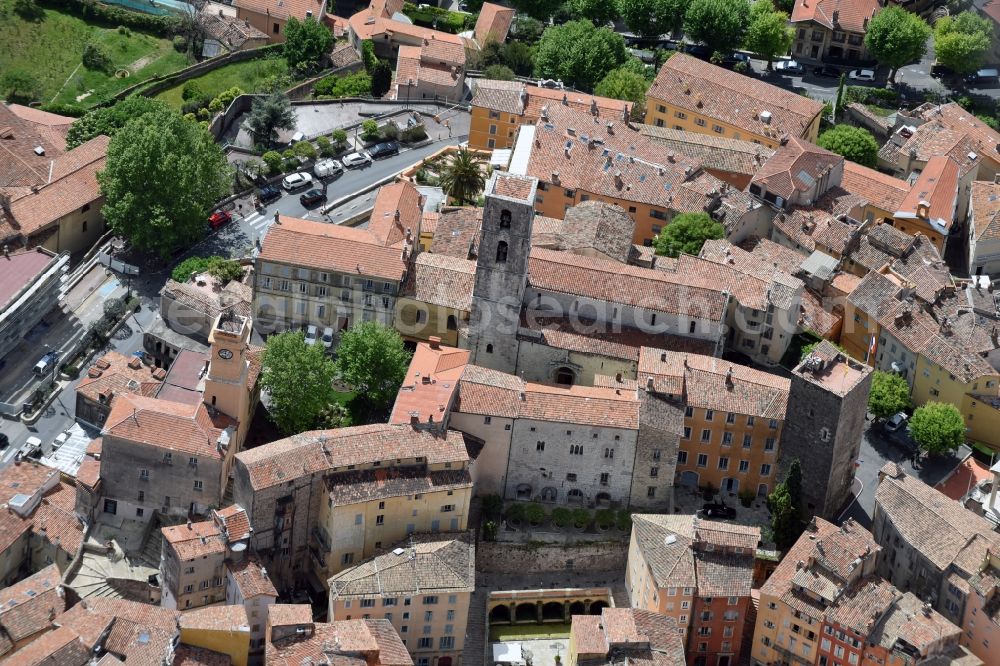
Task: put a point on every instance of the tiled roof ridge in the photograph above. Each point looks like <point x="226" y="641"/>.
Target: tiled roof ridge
<point x="900" y="484"/>
<point x="754" y="373"/>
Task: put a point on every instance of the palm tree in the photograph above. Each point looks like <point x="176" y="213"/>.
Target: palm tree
<point x="463" y="178"/>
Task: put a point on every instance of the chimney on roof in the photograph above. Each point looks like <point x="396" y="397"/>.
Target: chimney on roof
<point x="277" y="217"/>
<point x="396" y="215"/>
<point x="923" y="209"/>
<point x="729" y="378"/>
<point x="555" y="177"/>
<point x="189" y="523"/>
<point x="649" y="383"/>
<point x="545" y="112"/>
<point x="435" y="342"/>
<point x="6" y="251"/>
<point x="522" y="396"/>
<point x="263" y="572"/>
<point x="565" y="100"/>
<point x="611" y="128"/>
<point x="836" y="16"/>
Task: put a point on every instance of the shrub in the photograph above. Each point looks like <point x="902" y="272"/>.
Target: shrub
<point x="305" y="149"/>
<point x="581" y="517"/>
<point x="114" y="17"/>
<point x="71" y="371"/>
<point x="215" y="106"/>
<point x="338" y="136"/>
<point x="490" y="529"/>
<point x="605" y="518"/>
<point x="534" y="513"/>
<point x="61" y="109"/>
<point x="28" y="10"/>
<point x="746" y="497"/>
<point x="194" y="105"/>
<point x="122" y="30"/>
<point x="492" y="506"/>
<point x="180" y="43"/>
<point x="203" y="114"/>
<point x="623" y="520"/>
<point x="192" y="90"/>
<point x="19" y="87"/>
<point x="390" y="132"/>
<point x="413" y="134"/>
<point x="369" y="130"/>
<point x="517" y="512"/>
<point x="273" y="161"/>
<point x="561" y="516"/>
<point x="352" y="85"/>
<point x="96" y="58"/>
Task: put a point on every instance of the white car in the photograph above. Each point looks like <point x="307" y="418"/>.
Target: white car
<point x="60" y="439"/>
<point x="296" y="181"/>
<point x="862" y="75"/>
<point x="356" y="159"/>
<point x="311" y="335"/>
<point x="327" y="337"/>
<point x="325" y="168"/>
<point x="789" y="67"/>
<point x="896" y="422"/>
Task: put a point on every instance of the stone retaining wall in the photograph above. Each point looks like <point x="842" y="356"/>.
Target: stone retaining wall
<point x="507" y="558"/>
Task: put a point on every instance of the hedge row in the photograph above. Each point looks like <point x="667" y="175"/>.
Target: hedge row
<point x="113" y="17"/>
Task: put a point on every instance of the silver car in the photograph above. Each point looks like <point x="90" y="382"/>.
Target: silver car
<point x="356" y="159"/>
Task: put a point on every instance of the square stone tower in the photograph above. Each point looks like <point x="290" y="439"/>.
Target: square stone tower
<point x="824" y="425"/>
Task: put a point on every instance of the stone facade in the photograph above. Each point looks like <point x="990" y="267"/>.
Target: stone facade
<point x="661" y="424"/>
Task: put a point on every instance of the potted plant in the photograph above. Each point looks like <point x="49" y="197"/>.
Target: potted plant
<point x="746" y="497"/>
<point x="516" y="513"/>
<point x="535" y="514"/>
<point x="605" y="518"/>
<point x="490" y="529"/>
<point x="581" y="518"/>
<point x="561" y="516"/>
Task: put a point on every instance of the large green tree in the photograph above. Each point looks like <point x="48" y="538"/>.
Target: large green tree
<point x="601" y="12"/>
<point x="463" y="176"/>
<point x="267" y="115"/>
<point x="961" y="42"/>
<point x="686" y="233"/>
<point x="306" y="42"/>
<point x="539" y="9"/>
<point x="163" y="174"/>
<point x="108" y="120"/>
<point x="651" y="18"/>
<point x="793" y="481"/>
<point x="768" y="34"/>
<point x="854" y="143"/>
<point x="624" y="83"/>
<point x="937" y="427"/>
<point x="785" y="525"/>
<point x="298" y="378"/>
<point x="372" y="360"/>
<point x="579" y="54"/>
<point x="895" y="37"/>
<point x="889" y="394"/>
<point x="719" y="24"/>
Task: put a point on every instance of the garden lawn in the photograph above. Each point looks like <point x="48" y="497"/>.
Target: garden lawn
<point x="527" y="632"/>
<point x="251" y="76"/>
<point x="51" y="50"/>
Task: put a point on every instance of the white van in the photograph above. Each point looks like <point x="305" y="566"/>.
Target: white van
<point x="298" y="136"/>
<point x="325" y="168"/>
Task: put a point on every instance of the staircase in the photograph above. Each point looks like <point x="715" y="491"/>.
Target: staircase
<point x="91" y="580"/>
<point x="150" y="554"/>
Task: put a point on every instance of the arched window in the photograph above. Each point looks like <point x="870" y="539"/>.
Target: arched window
<point x="502" y="252"/>
<point x="565" y="376"/>
<point x="505" y="219"/>
<point x="452" y="324"/>
<point x="489" y="349"/>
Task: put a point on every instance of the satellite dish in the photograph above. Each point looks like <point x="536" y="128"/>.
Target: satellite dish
<point x="239" y="547"/>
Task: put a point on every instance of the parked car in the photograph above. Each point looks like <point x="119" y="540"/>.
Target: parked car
<point x="384" y="150"/>
<point x="698" y="51"/>
<point x="789" y="67"/>
<point x="311" y="333"/>
<point x="269" y="193"/>
<point x="4" y="440"/>
<point x="356" y="159"/>
<point x="896" y="422"/>
<point x="941" y="71"/>
<point x="718" y="510"/>
<point x="46" y="363"/>
<point x="312" y="197"/>
<point x="327" y="337"/>
<point x="296" y="181"/>
<point x="326" y="168"/>
<point x="219" y="218"/>
<point x="60" y="439"/>
<point x="827" y="71"/>
<point x="33" y="448"/>
<point x="867" y="75"/>
<point x="988" y="75"/>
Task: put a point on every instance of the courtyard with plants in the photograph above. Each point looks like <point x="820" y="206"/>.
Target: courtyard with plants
<point x="537" y="516"/>
<point x="263" y="74"/>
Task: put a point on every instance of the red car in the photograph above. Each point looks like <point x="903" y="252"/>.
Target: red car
<point x="219" y="218"/>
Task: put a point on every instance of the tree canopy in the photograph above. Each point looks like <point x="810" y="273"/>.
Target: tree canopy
<point x="937" y="427"/>
<point x="890" y="394"/>
<point x="651" y="18"/>
<point x="463" y="176"/>
<point x="784" y="503"/>
<point x="298" y="378"/>
<point x="601" y="12"/>
<point x="539" y="9"/>
<point x="306" y="42"/>
<point x="372" y="360"/>
<point x="579" y="54"/>
<point x="768" y="34"/>
<point x="719" y="24"/>
<point x="108" y="120"/>
<point x="961" y="42"/>
<point x="686" y="233"/>
<point x="854" y="143"/>
<point x="624" y="83"/>
<point x="897" y="37"/>
<point x="163" y="174"/>
<point x="268" y="115"/>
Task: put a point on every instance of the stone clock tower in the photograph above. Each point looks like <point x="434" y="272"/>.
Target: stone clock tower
<point x="226" y="382"/>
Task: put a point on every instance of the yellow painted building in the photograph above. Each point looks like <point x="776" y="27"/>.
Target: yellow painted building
<point x="437" y="302"/>
<point x="693" y="95"/>
<point x="223" y="629"/>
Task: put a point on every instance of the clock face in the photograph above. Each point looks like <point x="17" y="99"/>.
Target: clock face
<point x="225" y="354"/>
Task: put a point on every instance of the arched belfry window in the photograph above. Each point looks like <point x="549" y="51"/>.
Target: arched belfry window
<point x="505" y="219"/>
<point x="502" y="252"/>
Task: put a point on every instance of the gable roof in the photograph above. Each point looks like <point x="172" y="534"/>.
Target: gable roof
<point x="396" y="210"/>
<point x="493" y="23"/>
<point x="937" y="186"/>
<point x="284" y="9"/>
<point x="881" y="190"/>
<point x="795" y="167"/>
<point x="985" y="210"/>
<point x="174" y="426"/>
<point x="28" y="606"/>
<point x="525" y="99"/>
<point x="689" y="83"/>
<point x="846" y="15"/>
<point x="714" y="152"/>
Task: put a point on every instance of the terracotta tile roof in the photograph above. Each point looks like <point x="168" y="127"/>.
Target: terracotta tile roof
<point x="357" y="486"/>
<point x="955" y="137"/>
<point x="525" y="99"/>
<point x="331" y="247"/>
<point x="909" y="626"/>
<point x="136" y="643"/>
<point x="206" y="294"/>
<point x="874" y="289"/>
<point x="928" y="520"/>
<point x="234" y="521"/>
<point x="39" y="117"/>
<point x="985" y="139"/>
<point x="437" y="50"/>
<point x="754" y="283"/>
<point x="161" y="423"/>
<point x="89" y="473"/>
<point x="695" y="290"/>
<point x="780" y="256"/>
<point x="72" y="185"/>
<point x="493" y="23"/>
<point x="938" y="186"/>
<point x="970" y="472"/>
<point x="457" y="233"/>
<point x="714" y="152"/>
<point x="28" y="606"/>
<point x="881" y="190"/>
<point x="707" y="382"/>
<point x="862" y="604"/>
<point x="845" y="15"/>
<point x="216" y="618"/>
<point x="431" y="383"/>
<point x="689" y="83"/>
<point x="728" y="535"/>
<point x="721" y="574"/>
<point x="21" y="166"/>
<point x="60" y="647"/>
<point x="56" y="522"/>
<point x="343" y="643"/>
<point x="781" y="583"/>
<point x="283" y="615"/>
<point x="188" y="655"/>
<point x="671" y="564"/>
<point x="425" y="564"/>
<point x="444" y="280"/>
<point x="400" y="198"/>
<point x="283" y="9"/>
<point x="511" y="186"/>
<point x="230" y="31"/>
<point x="116" y="374"/>
<point x="386" y="8"/>
<point x="251" y="578"/>
<point x="195" y="540"/>
<point x="638" y="636"/>
<point x="985" y="210"/>
<point x="600" y="227"/>
<point x="321" y="451"/>
<point x="443" y="45"/>
<point x="587" y="635"/>
<point x="795" y="167"/>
